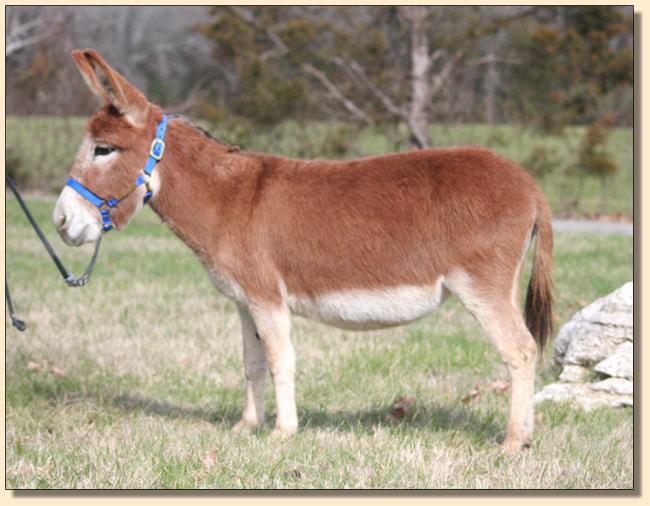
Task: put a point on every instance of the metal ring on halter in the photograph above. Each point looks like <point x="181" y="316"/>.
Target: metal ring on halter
<point x="85" y="277"/>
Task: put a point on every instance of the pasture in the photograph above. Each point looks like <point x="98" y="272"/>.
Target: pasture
<point x="136" y="380"/>
<point x="44" y="147"/>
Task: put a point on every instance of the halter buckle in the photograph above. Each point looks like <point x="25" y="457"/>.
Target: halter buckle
<point x="157" y="149"/>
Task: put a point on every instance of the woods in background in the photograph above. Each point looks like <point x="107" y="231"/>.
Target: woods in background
<point x="543" y="65"/>
<point x="398" y="70"/>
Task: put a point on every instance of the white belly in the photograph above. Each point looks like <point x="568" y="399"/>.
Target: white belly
<point x="371" y="309"/>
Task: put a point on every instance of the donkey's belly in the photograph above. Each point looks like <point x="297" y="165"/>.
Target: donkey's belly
<point x="371" y="309"/>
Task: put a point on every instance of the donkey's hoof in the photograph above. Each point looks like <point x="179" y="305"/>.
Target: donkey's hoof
<point x="513" y="445"/>
<point x="245" y="427"/>
<point x="284" y="432"/>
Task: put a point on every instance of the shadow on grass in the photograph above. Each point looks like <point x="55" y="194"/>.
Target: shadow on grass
<point x="141" y="404"/>
<point x="433" y="417"/>
<point x="479" y="425"/>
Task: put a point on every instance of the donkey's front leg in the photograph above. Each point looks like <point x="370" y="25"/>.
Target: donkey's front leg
<point x="273" y="325"/>
<point x="256" y="370"/>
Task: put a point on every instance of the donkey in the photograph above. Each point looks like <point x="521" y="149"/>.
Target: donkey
<point x="359" y="244"/>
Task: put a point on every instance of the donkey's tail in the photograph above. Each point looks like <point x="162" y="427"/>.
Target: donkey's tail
<point x="539" y="298"/>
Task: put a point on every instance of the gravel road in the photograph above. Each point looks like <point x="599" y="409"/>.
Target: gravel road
<point x="598" y="227"/>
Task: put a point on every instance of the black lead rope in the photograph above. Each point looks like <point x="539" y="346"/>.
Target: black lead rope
<point x="19" y="324"/>
<point x="69" y="279"/>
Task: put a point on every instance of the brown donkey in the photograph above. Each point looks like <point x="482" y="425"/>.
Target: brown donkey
<point x="359" y="244"/>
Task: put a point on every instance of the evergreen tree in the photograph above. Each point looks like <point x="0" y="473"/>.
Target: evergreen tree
<point x="570" y="58"/>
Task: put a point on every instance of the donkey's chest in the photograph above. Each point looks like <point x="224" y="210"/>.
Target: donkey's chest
<point x="368" y="309"/>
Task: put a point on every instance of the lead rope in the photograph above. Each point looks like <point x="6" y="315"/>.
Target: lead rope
<point x="69" y="279"/>
<point x="19" y="324"/>
<point x="85" y="277"/>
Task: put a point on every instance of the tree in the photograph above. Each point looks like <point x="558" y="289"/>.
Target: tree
<point x="172" y="65"/>
<point x="24" y="29"/>
<point x="571" y="58"/>
<point x="594" y="159"/>
<point x="377" y="63"/>
<point x="399" y="68"/>
<point x="425" y="82"/>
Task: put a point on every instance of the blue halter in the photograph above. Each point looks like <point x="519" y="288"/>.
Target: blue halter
<point x="155" y="154"/>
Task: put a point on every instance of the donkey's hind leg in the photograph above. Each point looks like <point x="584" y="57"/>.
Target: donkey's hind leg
<point x="497" y="312"/>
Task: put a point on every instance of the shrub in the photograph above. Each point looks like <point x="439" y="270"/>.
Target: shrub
<point x="14" y="167"/>
<point x="593" y="157"/>
<point x="541" y="161"/>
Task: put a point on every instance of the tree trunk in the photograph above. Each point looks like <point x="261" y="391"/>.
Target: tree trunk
<point x="491" y="77"/>
<point x="420" y="80"/>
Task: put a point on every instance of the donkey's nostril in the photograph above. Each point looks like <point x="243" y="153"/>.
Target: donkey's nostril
<point x="60" y="219"/>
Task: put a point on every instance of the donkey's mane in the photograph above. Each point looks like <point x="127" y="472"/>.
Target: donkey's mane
<point x="204" y="132"/>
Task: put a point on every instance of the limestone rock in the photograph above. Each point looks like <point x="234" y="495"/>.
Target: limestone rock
<point x="619" y="364"/>
<point x="591" y="343"/>
<point x="574" y="373"/>
<point x="598" y="340"/>
<point x="595" y="332"/>
<point x="614" y="309"/>
<point x="614" y="386"/>
<point x="582" y="395"/>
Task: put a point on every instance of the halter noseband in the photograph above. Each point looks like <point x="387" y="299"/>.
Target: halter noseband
<point x="155" y="154"/>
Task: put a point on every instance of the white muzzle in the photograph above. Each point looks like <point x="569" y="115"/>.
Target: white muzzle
<point x="74" y="221"/>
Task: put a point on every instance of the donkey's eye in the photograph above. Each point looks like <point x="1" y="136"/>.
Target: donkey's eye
<point x="103" y="150"/>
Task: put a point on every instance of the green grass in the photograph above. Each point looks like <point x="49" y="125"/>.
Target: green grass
<point x="46" y="146"/>
<point x="139" y="377"/>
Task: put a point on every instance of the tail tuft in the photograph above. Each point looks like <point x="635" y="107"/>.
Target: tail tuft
<point x="539" y="298"/>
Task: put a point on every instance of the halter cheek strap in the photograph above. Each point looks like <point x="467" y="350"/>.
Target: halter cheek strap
<point x="104" y="205"/>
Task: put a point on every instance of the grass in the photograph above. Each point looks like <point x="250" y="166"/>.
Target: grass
<point x="45" y="148"/>
<point x="135" y="381"/>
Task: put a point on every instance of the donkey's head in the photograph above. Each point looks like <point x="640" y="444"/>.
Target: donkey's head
<point x="114" y="150"/>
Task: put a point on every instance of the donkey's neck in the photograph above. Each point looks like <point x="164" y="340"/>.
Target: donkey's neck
<point x="194" y="190"/>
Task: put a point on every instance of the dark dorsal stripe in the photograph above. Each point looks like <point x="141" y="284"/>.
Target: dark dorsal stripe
<point x="205" y="133"/>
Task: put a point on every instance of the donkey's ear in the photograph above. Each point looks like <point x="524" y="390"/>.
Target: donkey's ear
<point x="109" y="85"/>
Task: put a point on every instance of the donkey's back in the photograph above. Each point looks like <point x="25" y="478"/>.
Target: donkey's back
<point x="390" y="221"/>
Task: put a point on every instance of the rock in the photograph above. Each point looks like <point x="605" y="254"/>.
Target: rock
<point x="614" y="386"/>
<point x="614" y="309"/>
<point x="583" y="396"/>
<point x="574" y="373"/>
<point x="591" y="343"/>
<point x="598" y="340"/>
<point x="619" y="364"/>
<point x="595" y="332"/>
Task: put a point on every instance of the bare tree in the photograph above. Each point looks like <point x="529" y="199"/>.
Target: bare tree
<point x="337" y="94"/>
<point x="426" y="80"/>
<point x="429" y="73"/>
<point x="24" y="29"/>
<point x="166" y="63"/>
